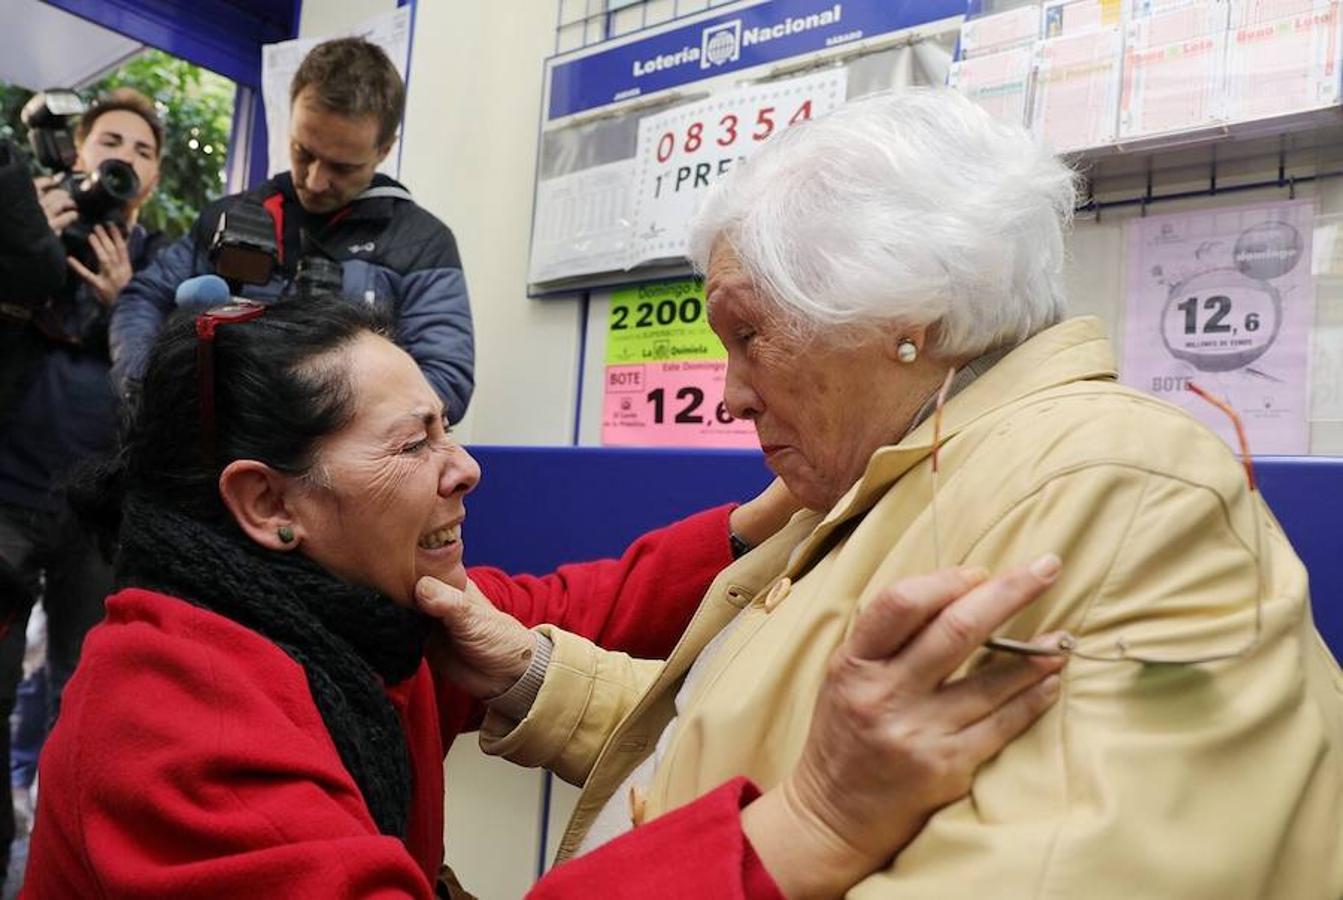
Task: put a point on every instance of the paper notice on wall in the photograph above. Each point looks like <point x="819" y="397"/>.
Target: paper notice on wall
<point x="1326" y="366"/>
<point x="1326" y="396"/>
<point x="665" y="372"/>
<point x="683" y="151"/>
<point x="1226" y="299"/>
<point x="279" y="62"/>
<point x="1065" y="18"/>
<point x="1000" y="31"/>
<point x="1248" y="13"/>
<point x="1284" y="65"/>
<point x="1172" y="87"/>
<point x="999" y="82"/>
<point x="582" y="222"/>
<point x="1154" y="24"/>
<point x="1077" y="89"/>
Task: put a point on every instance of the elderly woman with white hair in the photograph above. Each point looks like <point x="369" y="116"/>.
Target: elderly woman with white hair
<point x="887" y="282"/>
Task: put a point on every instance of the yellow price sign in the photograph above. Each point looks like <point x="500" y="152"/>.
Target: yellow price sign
<point x="662" y="322"/>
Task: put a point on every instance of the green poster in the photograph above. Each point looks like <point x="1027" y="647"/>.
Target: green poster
<point x="660" y="323"/>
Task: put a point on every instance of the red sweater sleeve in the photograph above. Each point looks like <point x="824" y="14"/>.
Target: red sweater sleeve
<point x="200" y="768"/>
<point x="698" y="850"/>
<point x="640" y="603"/>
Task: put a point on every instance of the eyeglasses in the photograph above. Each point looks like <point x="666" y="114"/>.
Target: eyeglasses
<point x="230" y="314"/>
<point x="1121" y="650"/>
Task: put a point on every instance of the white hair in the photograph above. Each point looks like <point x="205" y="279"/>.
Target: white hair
<point x="913" y="206"/>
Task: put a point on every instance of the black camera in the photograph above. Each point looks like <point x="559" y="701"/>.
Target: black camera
<point x="316" y="276"/>
<point x="243" y="249"/>
<point x="103" y="196"/>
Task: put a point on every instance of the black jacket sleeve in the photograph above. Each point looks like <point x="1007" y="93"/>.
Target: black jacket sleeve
<point x="32" y="260"/>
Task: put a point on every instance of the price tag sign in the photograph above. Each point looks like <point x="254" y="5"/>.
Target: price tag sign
<point x="682" y="152"/>
<point x="1221" y="320"/>
<point x="665" y="371"/>
<point x="1226" y="298"/>
<point x="660" y="323"/>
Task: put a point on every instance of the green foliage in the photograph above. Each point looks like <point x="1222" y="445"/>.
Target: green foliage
<point x="12" y="98"/>
<point x="196" y="107"/>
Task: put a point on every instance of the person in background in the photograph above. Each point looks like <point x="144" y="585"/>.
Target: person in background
<point x="287" y="481"/>
<point x="63" y="411"/>
<point x="346" y="103"/>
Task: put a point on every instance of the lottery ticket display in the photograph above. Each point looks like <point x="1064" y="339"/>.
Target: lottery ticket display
<point x="665" y="371"/>
<point x="683" y="151"/>
<point x="1102" y="72"/>
<point x="1226" y="299"/>
<point x="1077" y="89"/>
<point x="999" y="82"/>
<point x="983" y="35"/>
<point x="1174" y="67"/>
<point x="1282" y="54"/>
<point x="582" y="222"/>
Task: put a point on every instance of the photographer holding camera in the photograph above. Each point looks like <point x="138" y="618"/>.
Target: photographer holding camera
<point x="59" y="407"/>
<point x="331" y="220"/>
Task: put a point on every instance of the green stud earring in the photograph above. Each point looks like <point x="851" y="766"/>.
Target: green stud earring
<point x="285" y="534"/>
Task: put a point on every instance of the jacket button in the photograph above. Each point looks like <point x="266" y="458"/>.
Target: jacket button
<point x="778" y="593"/>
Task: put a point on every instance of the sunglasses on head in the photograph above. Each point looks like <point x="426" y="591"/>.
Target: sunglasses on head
<point x="230" y="314"/>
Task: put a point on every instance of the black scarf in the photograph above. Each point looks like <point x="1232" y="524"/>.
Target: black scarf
<point x="350" y="641"/>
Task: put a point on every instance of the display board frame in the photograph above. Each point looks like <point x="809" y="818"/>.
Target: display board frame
<point x="1248" y="128"/>
<point x="581" y="128"/>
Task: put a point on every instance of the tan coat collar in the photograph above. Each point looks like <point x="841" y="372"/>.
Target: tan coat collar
<point x="1074" y="350"/>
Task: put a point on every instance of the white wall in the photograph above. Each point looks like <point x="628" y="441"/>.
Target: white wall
<point x="470" y="157"/>
<point x="322" y="17"/>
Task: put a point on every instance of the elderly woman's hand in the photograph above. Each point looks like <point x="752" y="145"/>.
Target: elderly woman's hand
<point x="892" y="739"/>
<point x="479" y="648"/>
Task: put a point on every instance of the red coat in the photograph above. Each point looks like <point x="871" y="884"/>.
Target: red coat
<point x="189" y="760"/>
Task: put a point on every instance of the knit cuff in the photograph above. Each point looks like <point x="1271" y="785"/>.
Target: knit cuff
<point x="517" y="701"/>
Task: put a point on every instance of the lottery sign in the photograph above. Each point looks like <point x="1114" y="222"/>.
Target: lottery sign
<point x="1226" y="298"/>
<point x="665" y="371"/>
<point x="683" y="151"/>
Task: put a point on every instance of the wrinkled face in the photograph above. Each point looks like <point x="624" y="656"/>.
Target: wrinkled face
<point x="333" y="157"/>
<point x="123" y="135"/>
<point x="821" y="406"/>
<point x="390" y="506"/>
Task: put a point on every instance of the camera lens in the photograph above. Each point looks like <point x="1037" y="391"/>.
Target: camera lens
<point x="118" y="180"/>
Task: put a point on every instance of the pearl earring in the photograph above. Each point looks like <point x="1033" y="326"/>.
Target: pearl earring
<point x="906" y="351"/>
<point x="285" y="534"/>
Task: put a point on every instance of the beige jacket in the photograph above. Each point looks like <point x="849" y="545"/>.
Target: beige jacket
<point x="1219" y="780"/>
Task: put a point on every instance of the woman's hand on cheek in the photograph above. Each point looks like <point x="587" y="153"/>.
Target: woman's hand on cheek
<point x="479" y="648"/>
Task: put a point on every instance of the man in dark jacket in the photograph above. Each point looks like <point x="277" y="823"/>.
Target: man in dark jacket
<point x="32" y="266"/>
<point x="346" y="103"/>
<point x="32" y="260"/>
<point x="60" y="410"/>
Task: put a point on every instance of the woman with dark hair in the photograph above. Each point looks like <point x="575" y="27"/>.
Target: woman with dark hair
<point x="256" y="715"/>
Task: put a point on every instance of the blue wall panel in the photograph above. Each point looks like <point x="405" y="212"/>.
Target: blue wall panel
<point x="538" y="507"/>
